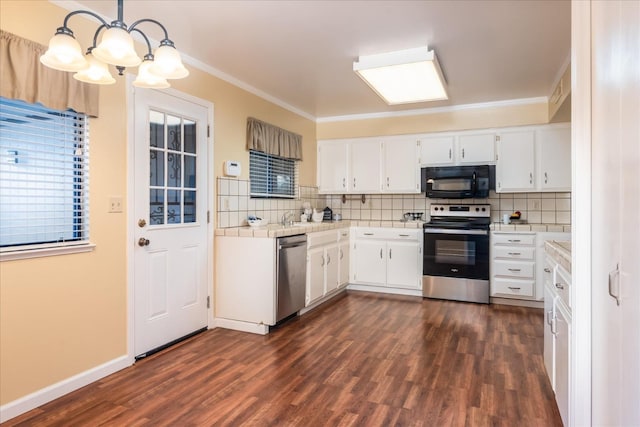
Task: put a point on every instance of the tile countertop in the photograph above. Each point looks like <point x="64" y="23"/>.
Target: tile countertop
<point x="277" y="230"/>
<point x="558" y="228"/>
<point x="560" y="251"/>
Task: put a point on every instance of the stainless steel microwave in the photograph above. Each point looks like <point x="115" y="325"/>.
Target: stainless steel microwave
<point x="458" y="182"/>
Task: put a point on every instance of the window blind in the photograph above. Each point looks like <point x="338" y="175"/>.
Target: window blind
<point x="44" y="176"/>
<point x="272" y="176"/>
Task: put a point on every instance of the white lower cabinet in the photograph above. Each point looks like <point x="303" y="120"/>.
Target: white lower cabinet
<point x="327" y="263"/>
<point x="557" y="334"/>
<point x="517" y="262"/>
<point x="388" y="257"/>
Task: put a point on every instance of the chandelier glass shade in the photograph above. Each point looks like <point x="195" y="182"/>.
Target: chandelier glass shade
<point x="116" y="47"/>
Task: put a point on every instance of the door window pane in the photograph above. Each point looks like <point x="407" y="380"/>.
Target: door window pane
<point x="172" y="170"/>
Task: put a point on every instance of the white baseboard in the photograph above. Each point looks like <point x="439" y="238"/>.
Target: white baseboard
<point x="384" y="290"/>
<point x="238" y="325"/>
<point x="517" y="302"/>
<point x="52" y="392"/>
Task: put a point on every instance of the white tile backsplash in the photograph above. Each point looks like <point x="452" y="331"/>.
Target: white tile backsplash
<point x="536" y="208"/>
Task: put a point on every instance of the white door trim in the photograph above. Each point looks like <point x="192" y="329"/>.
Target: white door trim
<point x="580" y="387"/>
<point x="131" y="203"/>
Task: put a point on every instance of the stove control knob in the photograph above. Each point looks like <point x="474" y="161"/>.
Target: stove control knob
<point x="484" y="209"/>
<point x="478" y="209"/>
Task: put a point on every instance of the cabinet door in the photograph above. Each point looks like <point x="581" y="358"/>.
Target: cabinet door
<point x="516" y="161"/>
<point x="436" y="150"/>
<point x="343" y="254"/>
<point x="562" y="361"/>
<point x="403" y="265"/>
<point x="549" y="338"/>
<point x="370" y="262"/>
<point x="333" y="161"/>
<point x="401" y="167"/>
<point x="366" y="167"/>
<point x="554" y="154"/>
<point x="477" y="148"/>
<point x="315" y="274"/>
<point x="332" y="260"/>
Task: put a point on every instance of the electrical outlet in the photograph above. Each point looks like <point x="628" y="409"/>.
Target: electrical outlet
<point x="225" y="203"/>
<point x="115" y="204"/>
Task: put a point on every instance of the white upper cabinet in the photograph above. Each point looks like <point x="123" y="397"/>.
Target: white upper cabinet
<point x="476" y="148"/>
<point x="534" y="159"/>
<point x="365" y="166"/>
<point x="333" y="166"/>
<point x="369" y="166"/>
<point x="516" y="161"/>
<point x="401" y="166"/>
<point x="437" y="150"/>
<point x="458" y="148"/>
<point x="554" y="153"/>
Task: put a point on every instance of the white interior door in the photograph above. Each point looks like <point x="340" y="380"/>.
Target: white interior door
<point x="616" y="202"/>
<point x="170" y="237"/>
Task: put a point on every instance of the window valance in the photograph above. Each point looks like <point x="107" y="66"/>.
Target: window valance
<point x="23" y="77"/>
<point x="273" y="140"/>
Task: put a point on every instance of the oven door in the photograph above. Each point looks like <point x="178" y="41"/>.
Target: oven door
<point x="456" y="253"/>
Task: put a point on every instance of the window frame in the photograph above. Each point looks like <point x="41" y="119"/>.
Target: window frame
<point x="269" y="194"/>
<point x="75" y="193"/>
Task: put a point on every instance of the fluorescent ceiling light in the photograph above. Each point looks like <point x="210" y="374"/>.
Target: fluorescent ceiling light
<point x="404" y="76"/>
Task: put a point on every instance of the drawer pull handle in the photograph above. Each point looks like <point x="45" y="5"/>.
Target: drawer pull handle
<point x="515" y="270"/>
<point x="380" y="253"/>
<point x="513" y="288"/>
<point x="368" y="234"/>
<point x="559" y="286"/>
<point x="514" y="240"/>
<point x="515" y="253"/>
<point x="403" y="235"/>
<point x="546" y="270"/>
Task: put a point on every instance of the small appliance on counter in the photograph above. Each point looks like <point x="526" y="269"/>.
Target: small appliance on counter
<point x="328" y="214"/>
<point x="412" y="216"/>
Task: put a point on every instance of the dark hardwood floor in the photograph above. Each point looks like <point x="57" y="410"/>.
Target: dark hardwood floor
<point x="364" y="359"/>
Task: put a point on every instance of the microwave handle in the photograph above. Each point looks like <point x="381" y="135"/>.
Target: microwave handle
<point x="474" y="183"/>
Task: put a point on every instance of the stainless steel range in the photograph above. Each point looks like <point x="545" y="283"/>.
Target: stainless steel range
<point x="456" y="253"/>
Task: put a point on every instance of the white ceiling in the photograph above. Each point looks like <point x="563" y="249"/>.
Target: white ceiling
<point x="301" y="53"/>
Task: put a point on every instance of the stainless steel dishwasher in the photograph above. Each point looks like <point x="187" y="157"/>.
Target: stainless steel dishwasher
<point x="292" y="275"/>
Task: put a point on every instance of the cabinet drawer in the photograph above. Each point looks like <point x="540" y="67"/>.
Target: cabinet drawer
<point x="343" y="234"/>
<point x="388" y="233"/>
<point x="514" y="252"/>
<point x="522" y="270"/>
<point x="512" y="288"/>
<point x="514" y="239"/>
<point x="562" y="284"/>
<point x="321" y="238"/>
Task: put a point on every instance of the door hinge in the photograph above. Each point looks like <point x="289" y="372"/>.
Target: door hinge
<point x="208" y="131"/>
<point x="208" y="301"/>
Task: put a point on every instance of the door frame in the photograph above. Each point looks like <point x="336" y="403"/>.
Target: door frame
<point x="130" y="211"/>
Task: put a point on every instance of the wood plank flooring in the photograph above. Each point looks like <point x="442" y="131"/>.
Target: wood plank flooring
<point x="361" y="360"/>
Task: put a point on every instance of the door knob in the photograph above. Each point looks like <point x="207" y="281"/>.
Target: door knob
<point x="143" y="242"/>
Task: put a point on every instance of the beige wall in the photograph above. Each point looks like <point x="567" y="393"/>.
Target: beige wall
<point x="502" y="116"/>
<point x="63" y="315"/>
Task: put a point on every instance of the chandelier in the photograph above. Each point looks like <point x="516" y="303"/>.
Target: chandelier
<point x="115" y="48"/>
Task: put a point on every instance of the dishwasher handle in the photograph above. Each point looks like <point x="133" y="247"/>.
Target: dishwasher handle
<point x="291" y="245"/>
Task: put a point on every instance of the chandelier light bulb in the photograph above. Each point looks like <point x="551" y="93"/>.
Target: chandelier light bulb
<point x="97" y="72"/>
<point x="147" y="79"/>
<point x="116" y="48"/>
<point x="64" y="54"/>
<point x="168" y="64"/>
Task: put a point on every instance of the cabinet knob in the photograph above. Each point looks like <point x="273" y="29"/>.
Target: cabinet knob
<point x="559" y="286"/>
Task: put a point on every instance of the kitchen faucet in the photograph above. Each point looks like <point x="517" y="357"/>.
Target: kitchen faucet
<point x="287" y="218"/>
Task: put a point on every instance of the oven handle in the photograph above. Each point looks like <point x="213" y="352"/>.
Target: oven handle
<point x="455" y="231"/>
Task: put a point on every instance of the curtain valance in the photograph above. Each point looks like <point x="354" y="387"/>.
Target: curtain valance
<point x="271" y="139"/>
<point x="23" y="77"/>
